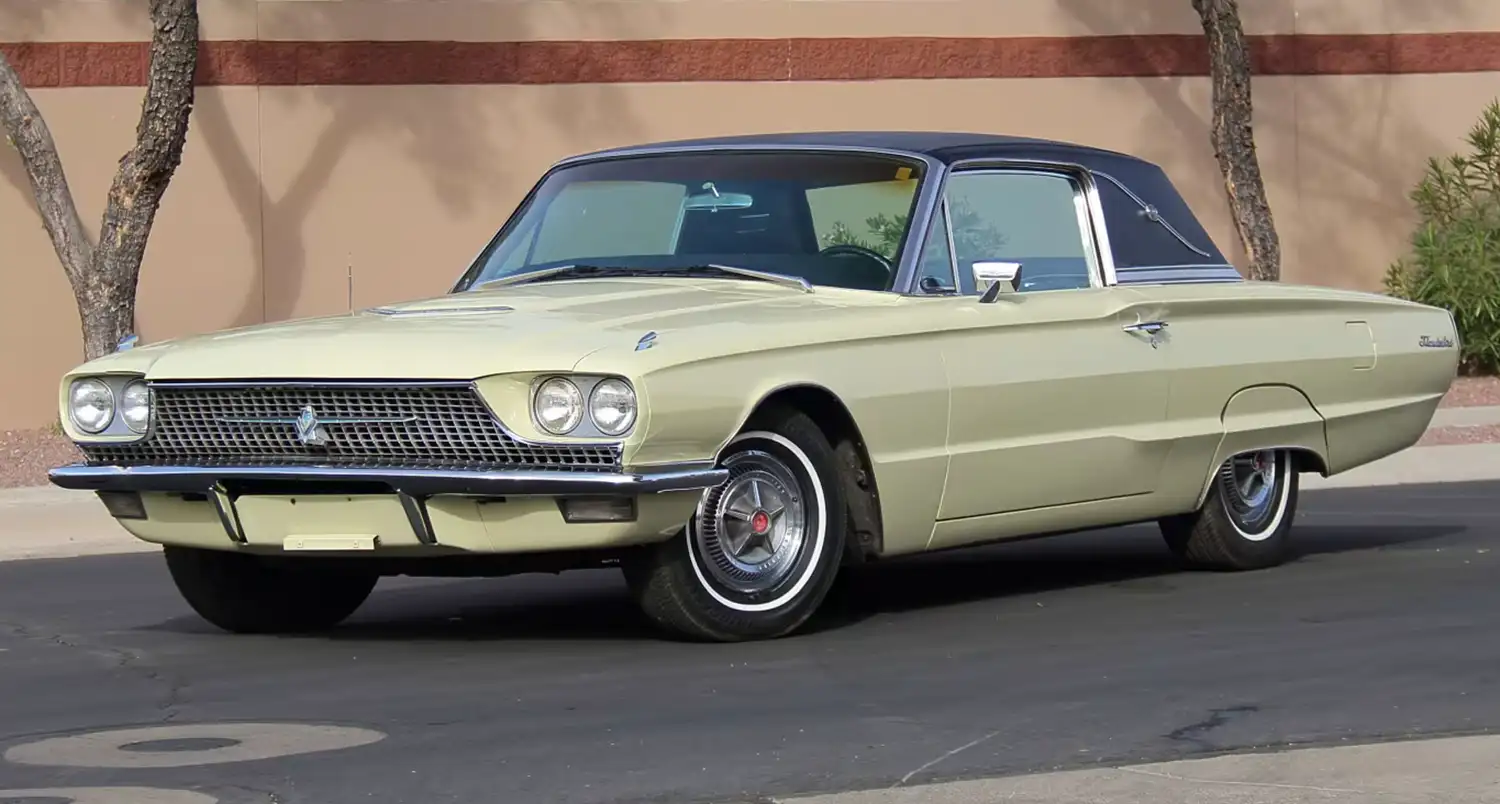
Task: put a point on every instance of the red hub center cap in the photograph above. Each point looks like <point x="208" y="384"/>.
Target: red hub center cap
<point x="760" y="522"/>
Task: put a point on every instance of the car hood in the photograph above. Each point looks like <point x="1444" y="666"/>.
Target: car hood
<point x="546" y="326"/>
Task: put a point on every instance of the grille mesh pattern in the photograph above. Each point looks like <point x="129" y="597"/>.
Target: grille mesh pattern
<point x="446" y="427"/>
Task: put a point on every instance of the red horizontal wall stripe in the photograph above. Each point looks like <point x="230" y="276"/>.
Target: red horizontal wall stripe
<point x="75" y="64"/>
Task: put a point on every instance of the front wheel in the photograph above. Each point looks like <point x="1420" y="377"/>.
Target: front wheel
<point x="760" y="553"/>
<point x="251" y="594"/>
<point x="1245" y="522"/>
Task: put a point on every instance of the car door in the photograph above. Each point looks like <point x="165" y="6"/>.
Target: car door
<point x="1058" y="390"/>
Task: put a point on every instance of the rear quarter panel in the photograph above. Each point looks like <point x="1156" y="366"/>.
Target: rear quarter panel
<point x="1339" y="374"/>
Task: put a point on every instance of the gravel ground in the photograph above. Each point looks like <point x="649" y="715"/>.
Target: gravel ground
<point x="26" y="455"/>
<point x="1469" y="392"/>
<point x="1484" y="434"/>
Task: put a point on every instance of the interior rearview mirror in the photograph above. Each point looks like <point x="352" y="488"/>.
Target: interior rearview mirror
<point x="714" y="203"/>
<point x="994" y="278"/>
<point x="713" y="200"/>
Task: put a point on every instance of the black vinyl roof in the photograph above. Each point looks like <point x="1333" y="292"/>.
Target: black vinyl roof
<point x="945" y="146"/>
<point x="1149" y="222"/>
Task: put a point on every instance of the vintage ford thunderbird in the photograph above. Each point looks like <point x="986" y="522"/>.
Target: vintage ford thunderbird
<point x="734" y="367"/>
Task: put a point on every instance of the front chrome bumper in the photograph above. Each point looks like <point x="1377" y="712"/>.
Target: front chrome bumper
<point x="413" y="482"/>
<point x="222" y="485"/>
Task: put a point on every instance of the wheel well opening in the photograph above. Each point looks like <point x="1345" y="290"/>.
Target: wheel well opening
<point x="856" y="471"/>
<point x="1309" y="460"/>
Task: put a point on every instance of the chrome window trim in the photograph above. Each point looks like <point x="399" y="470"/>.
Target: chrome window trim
<point x="947" y="220"/>
<point x="1179" y="274"/>
<point x="958" y="288"/>
<point x="921" y="214"/>
<point x="1090" y="217"/>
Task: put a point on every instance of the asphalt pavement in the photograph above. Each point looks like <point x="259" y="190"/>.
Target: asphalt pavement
<point x="1078" y="652"/>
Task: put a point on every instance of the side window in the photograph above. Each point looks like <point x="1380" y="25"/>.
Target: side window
<point x="609" y="219"/>
<point x="872" y="215"/>
<point x="1030" y="218"/>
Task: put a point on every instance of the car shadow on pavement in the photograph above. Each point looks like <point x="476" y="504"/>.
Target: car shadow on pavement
<point x="593" y="605"/>
<point x="1133" y="558"/>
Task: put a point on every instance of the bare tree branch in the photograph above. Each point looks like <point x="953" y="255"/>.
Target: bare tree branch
<point x="105" y="275"/>
<point x="1234" y="135"/>
<point x="144" y="174"/>
<point x="27" y="131"/>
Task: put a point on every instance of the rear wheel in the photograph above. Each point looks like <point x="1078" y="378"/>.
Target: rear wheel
<point x="759" y="555"/>
<point x="1245" y="521"/>
<point x="263" y="594"/>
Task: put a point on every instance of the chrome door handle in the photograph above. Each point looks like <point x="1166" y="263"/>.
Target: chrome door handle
<point x="1150" y="327"/>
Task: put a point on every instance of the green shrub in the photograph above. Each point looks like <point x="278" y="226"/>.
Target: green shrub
<point x="1455" y="259"/>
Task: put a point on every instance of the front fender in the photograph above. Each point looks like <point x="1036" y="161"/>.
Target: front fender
<point x="896" y="390"/>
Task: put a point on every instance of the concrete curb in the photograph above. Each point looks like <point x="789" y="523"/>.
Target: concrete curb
<point x="1458" y="463"/>
<point x="1465" y="417"/>
<point x="1455" y="770"/>
<point x="40" y="495"/>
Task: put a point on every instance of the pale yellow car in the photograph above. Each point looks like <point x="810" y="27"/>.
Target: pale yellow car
<point x="733" y="367"/>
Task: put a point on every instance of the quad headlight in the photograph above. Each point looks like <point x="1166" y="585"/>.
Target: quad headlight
<point x="585" y="406"/>
<point x="135" y="406"/>
<point x="612" y="407"/>
<point x="559" y="406"/>
<point x="109" y="405"/>
<point x="91" y="405"/>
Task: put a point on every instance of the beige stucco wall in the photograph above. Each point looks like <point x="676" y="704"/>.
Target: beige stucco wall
<point x="287" y="192"/>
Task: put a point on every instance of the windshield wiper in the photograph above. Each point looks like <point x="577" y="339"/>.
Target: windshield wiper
<point x="786" y="280"/>
<point x="557" y="272"/>
<point x="601" y="271"/>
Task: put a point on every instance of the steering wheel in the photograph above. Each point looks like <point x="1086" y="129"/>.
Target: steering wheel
<point x="851" y="250"/>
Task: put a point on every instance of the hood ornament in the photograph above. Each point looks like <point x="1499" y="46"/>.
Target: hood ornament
<point x="646" y="342"/>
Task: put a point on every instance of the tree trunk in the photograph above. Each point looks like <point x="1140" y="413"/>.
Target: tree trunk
<point x="104" y="275"/>
<point x="1234" y="135"/>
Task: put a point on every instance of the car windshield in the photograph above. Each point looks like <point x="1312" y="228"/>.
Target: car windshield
<point x="832" y="219"/>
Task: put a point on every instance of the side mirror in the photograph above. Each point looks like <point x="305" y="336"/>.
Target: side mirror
<point x="996" y="278"/>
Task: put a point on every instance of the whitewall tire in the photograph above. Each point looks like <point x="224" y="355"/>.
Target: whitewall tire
<point x="1245" y="521"/>
<point x="758" y="556"/>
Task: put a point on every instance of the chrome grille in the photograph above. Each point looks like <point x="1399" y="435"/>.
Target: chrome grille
<point x="416" y="426"/>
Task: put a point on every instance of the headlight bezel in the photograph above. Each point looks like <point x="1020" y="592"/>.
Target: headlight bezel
<point x="584" y="424"/>
<point x="116" y="429"/>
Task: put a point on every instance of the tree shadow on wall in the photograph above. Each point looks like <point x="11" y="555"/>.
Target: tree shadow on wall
<point x="457" y="145"/>
<point x="1336" y="161"/>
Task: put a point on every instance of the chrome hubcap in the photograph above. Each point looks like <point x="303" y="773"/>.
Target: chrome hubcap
<point x="1248" y="483"/>
<point x="752" y="529"/>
